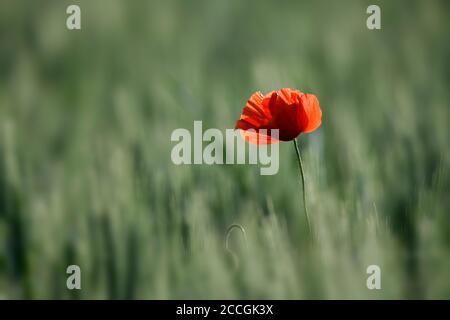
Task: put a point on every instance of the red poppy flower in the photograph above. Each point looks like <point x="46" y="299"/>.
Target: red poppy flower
<point x="290" y="111"/>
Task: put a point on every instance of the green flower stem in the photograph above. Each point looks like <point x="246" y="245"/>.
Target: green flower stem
<point x="302" y="174"/>
<point x="227" y="238"/>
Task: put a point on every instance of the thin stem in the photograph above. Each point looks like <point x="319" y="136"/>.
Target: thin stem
<point x="228" y="234"/>
<point x="227" y="238"/>
<point x="302" y="174"/>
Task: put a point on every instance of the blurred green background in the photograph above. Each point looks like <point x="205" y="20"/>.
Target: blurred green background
<point x="86" y="176"/>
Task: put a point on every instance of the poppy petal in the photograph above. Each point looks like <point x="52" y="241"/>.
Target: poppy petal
<point x="291" y="112"/>
<point x="312" y="111"/>
<point x="257" y="137"/>
<point x="255" y="108"/>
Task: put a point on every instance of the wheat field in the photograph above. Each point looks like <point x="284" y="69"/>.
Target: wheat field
<point x="86" y="176"/>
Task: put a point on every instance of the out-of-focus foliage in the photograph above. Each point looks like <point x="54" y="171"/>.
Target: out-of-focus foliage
<point x="86" y="176"/>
